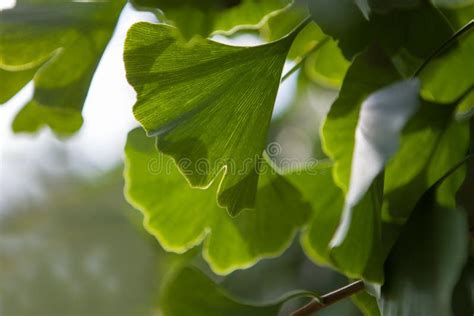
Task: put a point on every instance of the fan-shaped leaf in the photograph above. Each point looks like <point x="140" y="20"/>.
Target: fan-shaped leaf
<point x="64" y="40"/>
<point x="210" y="103"/>
<point x="181" y="217"/>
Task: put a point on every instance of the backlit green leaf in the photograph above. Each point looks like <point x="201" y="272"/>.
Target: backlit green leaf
<point x="465" y="108"/>
<point x="181" y="217"/>
<point x="281" y="24"/>
<point x="204" y="17"/>
<point x="457" y="62"/>
<point x="13" y="81"/>
<point x="33" y="116"/>
<point x="327" y="65"/>
<point x="210" y="103"/>
<point x="357" y="258"/>
<point x="65" y="40"/>
<point x="430" y="143"/>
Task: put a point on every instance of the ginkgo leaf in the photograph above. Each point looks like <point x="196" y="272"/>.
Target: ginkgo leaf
<point x="344" y="21"/>
<point x="366" y="303"/>
<point x="33" y="116"/>
<point x="369" y="72"/>
<point x="457" y="63"/>
<point x="426" y="262"/>
<point x="13" y="81"/>
<point x="381" y="119"/>
<point x="202" y="297"/>
<point x="419" y="30"/>
<point x="430" y="143"/>
<point x="356" y="260"/>
<point x="207" y="16"/>
<point x="64" y="41"/>
<point x="281" y="24"/>
<point x="327" y="65"/>
<point x="210" y="104"/>
<point x="360" y="136"/>
<point x="181" y="217"/>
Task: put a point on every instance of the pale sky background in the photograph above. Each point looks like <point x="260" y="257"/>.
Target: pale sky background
<point x="25" y="159"/>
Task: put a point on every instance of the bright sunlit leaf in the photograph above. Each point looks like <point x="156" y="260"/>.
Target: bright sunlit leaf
<point x="63" y="41"/>
<point x="210" y="103"/>
<point x="204" y="17"/>
<point x="181" y="217"/>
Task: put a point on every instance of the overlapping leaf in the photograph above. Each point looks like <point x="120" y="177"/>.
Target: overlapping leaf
<point x="281" y="24"/>
<point x="419" y="30"/>
<point x="381" y="120"/>
<point x="202" y="297"/>
<point x="465" y="108"/>
<point x="361" y="257"/>
<point x="369" y="72"/>
<point x="361" y="135"/>
<point x="13" y="81"/>
<point x="457" y="62"/>
<point x="181" y="217"/>
<point x="430" y="143"/>
<point x="327" y="65"/>
<point x="426" y="262"/>
<point x="210" y="103"/>
<point x="64" y="40"/>
<point x="204" y="17"/>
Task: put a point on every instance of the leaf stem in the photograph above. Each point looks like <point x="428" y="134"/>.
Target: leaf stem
<point x="330" y="298"/>
<point x="302" y="58"/>
<point x="443" y="46"/>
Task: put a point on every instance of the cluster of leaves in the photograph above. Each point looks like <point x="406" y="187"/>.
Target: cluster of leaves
<point x="382" y="207"/>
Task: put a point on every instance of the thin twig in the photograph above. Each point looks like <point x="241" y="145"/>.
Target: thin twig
<point x="303" y="58"/>
<point x="330" y="298"/>
<point x="445" y="45"/>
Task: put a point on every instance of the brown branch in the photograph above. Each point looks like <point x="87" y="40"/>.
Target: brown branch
<point x="330" y="298"/>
